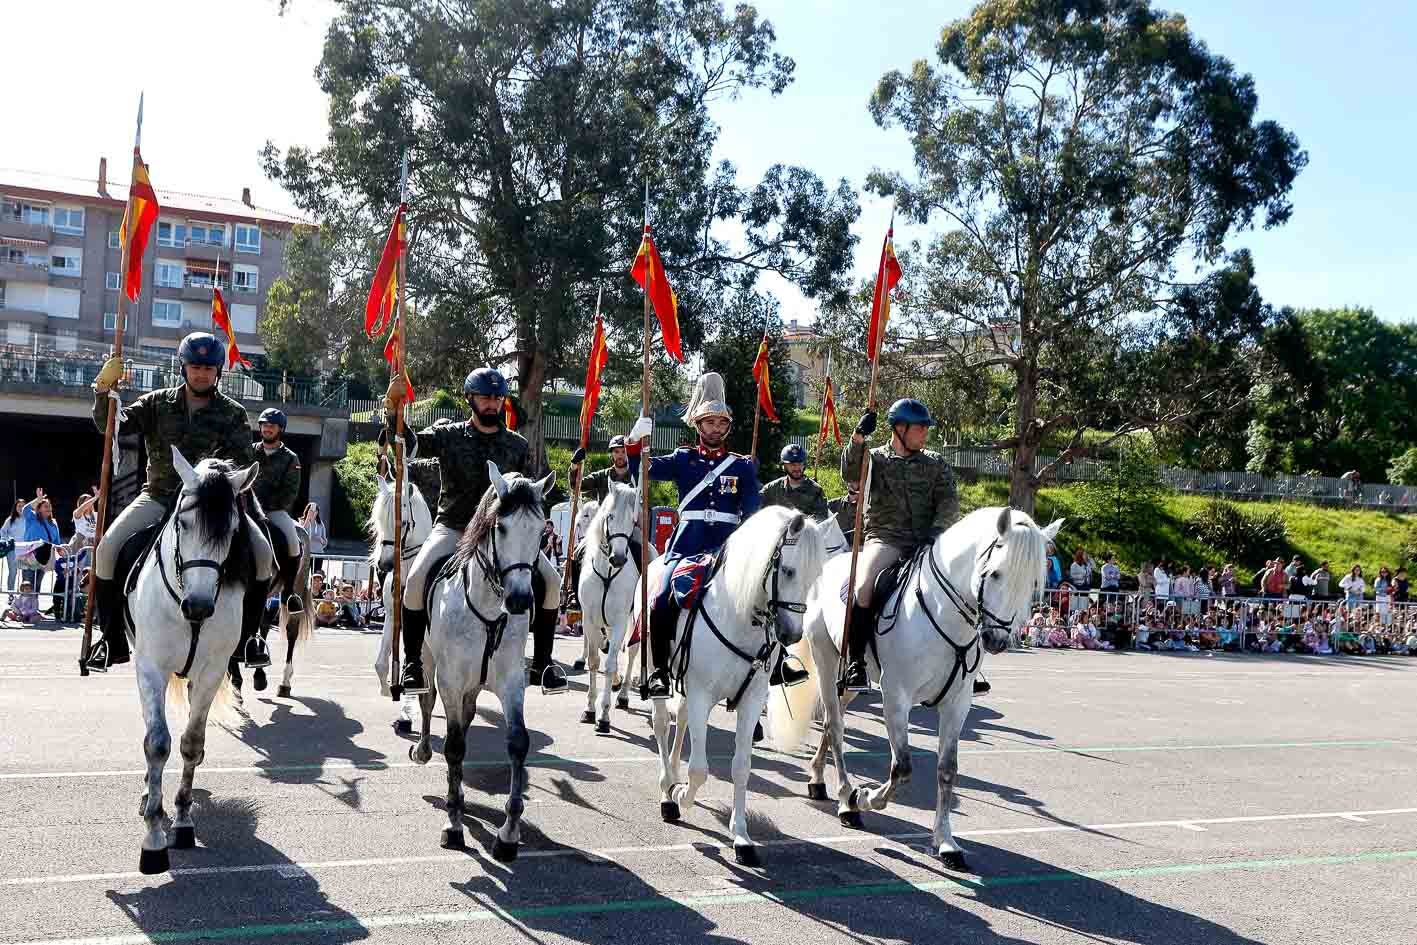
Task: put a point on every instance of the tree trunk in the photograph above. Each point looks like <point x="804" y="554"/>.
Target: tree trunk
<point x="1023" y="487"/>
<point x="532" y="374"/>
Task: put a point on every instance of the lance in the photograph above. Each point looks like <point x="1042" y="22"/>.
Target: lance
<point x="648" y="525"/>
<point x="400" y="375"/>
<point x="110" y="426"/>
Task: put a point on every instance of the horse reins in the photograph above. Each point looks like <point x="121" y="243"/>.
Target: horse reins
<point x="181" y="567"/>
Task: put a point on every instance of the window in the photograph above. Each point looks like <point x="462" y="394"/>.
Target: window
<point x="66" y="264"/>
<point x="210" y="234"/>
<point x="113" y="241"/>
<point x="167" y="314"/>
<point x="17" y="333"/>
<point x="243" y="318"/>
<point x="66" y="339"/>
<point x="112" y="280"/>
<point x="110" y="321"/>
<point x="248" y="238"/>
<point x="168" y="274"/>
<point x="27" y="213"/>
<point x="171" y="234"/>
<point x="246" y="278"/>
<point x="69" y="220"/>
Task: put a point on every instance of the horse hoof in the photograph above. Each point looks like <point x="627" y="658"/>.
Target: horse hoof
<point x="403" y="727"/>
<point x="745" y="854"/>
<point x="414" y="757"/>
<point x="954" y="861"/>
<point x="183" y="838"/>
<point x="816" y="792"/>
<point x="152" y="862"/>
<point x="602" y="727"/>
<point x="852" y="819"/>
<point x="669" y="811"/>
<point x="578" y="666"/>
<point x="452" y="839"/>
<point x="758" y="735"/>
<point x="258" y="680"/>
<point x="588" y="716"/>
<point x="283" y="692"/>
<point x="504" y="852"/>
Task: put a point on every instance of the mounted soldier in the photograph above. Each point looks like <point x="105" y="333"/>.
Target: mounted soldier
<point x="595" y="487"/>
<point x="911" y="499"/>
<point x="463" y="451"/>
<point x="202" y="422"/>
<point x="717" y="491"/>
<point x="795" y="490"/>
<point x="278" y="490"/>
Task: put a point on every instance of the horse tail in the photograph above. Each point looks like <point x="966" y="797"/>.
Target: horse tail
<point x="223" y="708"/>
<point x="791" y="708"/>
<point x="176" y="693"/>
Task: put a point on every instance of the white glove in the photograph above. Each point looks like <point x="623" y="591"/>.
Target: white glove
<point x="641" y="431"/>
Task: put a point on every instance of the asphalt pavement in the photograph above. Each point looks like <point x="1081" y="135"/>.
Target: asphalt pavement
<point x="1105" y="797"/>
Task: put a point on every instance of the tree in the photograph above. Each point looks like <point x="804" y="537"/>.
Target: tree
<point x="1076" y="149"/>
<point x="740" y="323"/>
<point x="1403" y="469"/>
<point x="532" y="128"/>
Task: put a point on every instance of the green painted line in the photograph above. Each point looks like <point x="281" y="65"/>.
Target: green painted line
<point x="664" y="903"/>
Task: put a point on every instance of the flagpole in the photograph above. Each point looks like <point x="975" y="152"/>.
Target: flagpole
<point x="578" y="476"/>
<point x="105" y="474"/>
<point x="865" y="472"/>
<point x="645" y="522"/>
<point x="822" y="425"/>
<point x="400" y="369"/>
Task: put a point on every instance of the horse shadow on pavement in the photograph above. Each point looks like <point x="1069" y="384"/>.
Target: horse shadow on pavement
<point x="295" y="746"/>
<point x="223" y="904"/>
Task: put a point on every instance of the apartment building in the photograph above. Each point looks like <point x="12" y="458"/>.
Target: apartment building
<point x="60" y="261"/>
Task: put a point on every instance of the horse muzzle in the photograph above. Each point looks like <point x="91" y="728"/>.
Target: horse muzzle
<point x="386" y="562"/>
<point x="198" y="608"/>
<point x="996" y="641"/>
<point x="618" y="560"/>
<point x="518" y="602"/>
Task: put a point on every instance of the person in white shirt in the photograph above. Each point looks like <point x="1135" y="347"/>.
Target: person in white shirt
<point x="1163" y="581"/>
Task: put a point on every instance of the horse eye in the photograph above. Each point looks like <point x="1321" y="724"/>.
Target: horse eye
<point x="995" y="576"/>
<point x="501" y="529"/>
<point x="789" y="572"/>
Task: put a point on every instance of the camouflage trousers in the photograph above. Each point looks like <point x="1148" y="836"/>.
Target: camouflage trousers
<point x="145" y="511"/>
<point x="441" y="543"/>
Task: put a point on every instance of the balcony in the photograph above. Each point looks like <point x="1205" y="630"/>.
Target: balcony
<point x="30" y="316"/>
<point x="15" y="229"/>
<point x="28" y="271"/>
<point x="197" y="249"/>
<point x="199" y="288"/>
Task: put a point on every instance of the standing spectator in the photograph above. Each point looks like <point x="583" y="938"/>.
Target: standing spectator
<point x="1319" y="580"/>
<point x="314" y="526"/>
<point x="1146" y="581"/>
<point x="1382" y="594"/>
<point x="1055" y="568"/>
<point x="1184" y="589"/>
<point x="1080" y="572"/>
<point x="85" y="523"/>
<point x="1162" y="581"/>
<point x="14" y="529"/>
<point x="1296" y="566"/>
<point x="1205" y="588"/>
<point x="1353" y="586"/>
<point x="1227" y="581"/>
<point x="1399" y="586"/>
<point x="40" y="526"/>
<point x="1276" y="582"/>
<point x="1111" y="573"/>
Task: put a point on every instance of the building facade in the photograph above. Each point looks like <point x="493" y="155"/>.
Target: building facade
<point x="60" y="264"/>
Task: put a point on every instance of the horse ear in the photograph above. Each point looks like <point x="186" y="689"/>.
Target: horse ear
<point x="547" y="483"/>
<point x="498" y="482"/>
<point x="184" y="468"/>
<point x="795" y="526"/>
<point x="1005" y="520"/>
<point x="244" y="479"/>
<point x="1051" y="532"/>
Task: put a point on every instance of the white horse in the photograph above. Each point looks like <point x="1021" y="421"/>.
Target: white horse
<point x="966" y="593"/>
<point x="752" y="604"/>
<point x="417" y="524"/>
<point x="186" y="606"/>
<point x="833" y="538"/>
<point x="480" y="612"/>
<point x="610" y="579"/>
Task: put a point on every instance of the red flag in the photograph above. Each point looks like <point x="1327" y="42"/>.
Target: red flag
<point x="393" y="353"/>
<point x="510" y="409"/>
<point x="648" y="271"/>
<point x="384" y="290"/>
<point x="829" y="416"/>
<point x="599" y="357"/>
<point x="887" y="275"/>
<point x="138" y="218"/>
<point x="760" y="374"/>
<point x="221" y="318"/>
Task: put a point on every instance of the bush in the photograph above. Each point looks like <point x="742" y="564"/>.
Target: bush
<point x="1125" y="500"/>
<point x="1403" y="471"/>
<point x="1239" y="533"/>
<point x="354" y="492"/>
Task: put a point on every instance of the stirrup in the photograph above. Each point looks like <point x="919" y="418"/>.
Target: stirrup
<point x="553" y="680"/>
<point x="97" y="660"/>
<point x="294" y="605"/>
<point x="412" y="680"/>
<point x="854" y="681"/>
<point x="787" y="675"/>
<point x="256" y="654"/>
<point x="658" y="688"/>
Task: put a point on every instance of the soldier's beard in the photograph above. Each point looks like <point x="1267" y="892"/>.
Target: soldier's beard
<point x="799" y="477"/>
<point x="270" y="440"/>
<point x="199" y="392"/>
<point x="712" y="440"/>
<point x="488" y="418"/>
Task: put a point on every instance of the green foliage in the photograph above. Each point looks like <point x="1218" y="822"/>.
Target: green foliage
<point x="1402" y="471"/>
<point x="356" y="486"/>
<point x="1126" y="496"/>
<point x="1239" y="533"/>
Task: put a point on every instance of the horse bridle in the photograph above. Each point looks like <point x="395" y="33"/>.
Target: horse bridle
<point x="493" y="566"/>
<point x="409" y="551"/>
<point x="496" y="626"/>
<point x="766" y="616"/>
<point x="181" y="567"/>
<point x="608" y="579"/>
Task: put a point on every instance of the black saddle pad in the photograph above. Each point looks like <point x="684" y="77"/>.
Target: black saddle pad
<point x="134" y="551"/>
<point x="442" y="570"/>
<point x="886" y="583"/>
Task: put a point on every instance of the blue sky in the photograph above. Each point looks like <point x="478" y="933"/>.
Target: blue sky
<point x="1336" y="74"/>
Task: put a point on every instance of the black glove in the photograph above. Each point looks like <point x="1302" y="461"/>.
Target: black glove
<point x="867" y="424"/>
<point x="578" y="456"/>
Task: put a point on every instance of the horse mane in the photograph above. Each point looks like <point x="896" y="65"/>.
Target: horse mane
<point x="1025" y="550"/>
<point x="216" y="499"/>
<point x="521" y="497"/>
<point x="749" y="552"/>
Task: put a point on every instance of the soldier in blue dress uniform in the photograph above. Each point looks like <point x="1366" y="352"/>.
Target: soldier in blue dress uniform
<point x="717" y="491"/>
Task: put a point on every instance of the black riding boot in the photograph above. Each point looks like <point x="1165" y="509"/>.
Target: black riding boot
<point x="253" y="619"/>
<point x="289" y="573"/>
<point x="663" y="621"/>
<point x="862" y="626"/>
<point x="544" y="672"/>
<point x="112" y="647"/>
<point x="415" y="625"/>
<point x="786" y="674"/>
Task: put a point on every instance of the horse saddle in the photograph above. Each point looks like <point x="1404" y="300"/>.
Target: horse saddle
<point x="886" y="583"/>
<point x="690" y="576"/>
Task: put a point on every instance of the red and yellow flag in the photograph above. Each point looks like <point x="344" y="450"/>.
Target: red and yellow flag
<point x="648" y="271"/>
<point x="510" y="410"/>
<point x="760" y="374"/>
<point x="829" y="417"/>
<point x="138" y="218"/>
<point x="393" y="353"/>
<point x="599" y="357"/>
<point x="221" y="318"/>
<point x="384" y="290"/>
<point x="887" y="275"/>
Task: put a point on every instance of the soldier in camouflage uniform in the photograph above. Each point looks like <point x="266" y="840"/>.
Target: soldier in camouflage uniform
<point x="911" y="500"/>
<point x="462" y="451"/>
<point x="795" y="490"/>
<point x="203" y="423"/>
<point x="844" y="508"/>
<point x="278" y="489"/>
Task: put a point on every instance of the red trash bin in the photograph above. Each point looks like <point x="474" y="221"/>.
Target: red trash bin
<point x="666" y="519"/>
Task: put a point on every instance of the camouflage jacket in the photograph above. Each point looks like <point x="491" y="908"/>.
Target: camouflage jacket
<point x="220" y="430"/>
<point x="596" y="486"/>
<point x="278" y="487"/>
<point x="807" y="498"/>
<point x="462" y="452"/>
<point x="845" y="513"/>
<point x="912" y="498"/>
